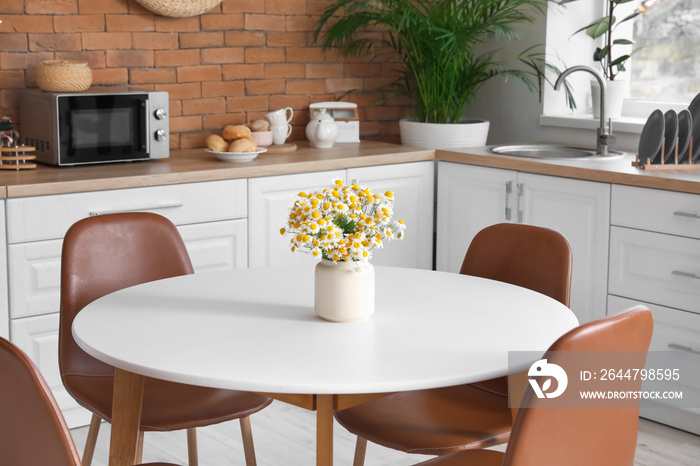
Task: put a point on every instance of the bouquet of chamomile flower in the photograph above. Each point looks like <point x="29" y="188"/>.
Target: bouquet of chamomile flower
<point x="342" y="223"/>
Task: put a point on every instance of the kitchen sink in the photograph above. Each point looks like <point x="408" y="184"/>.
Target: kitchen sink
<point x="549" y="151"/>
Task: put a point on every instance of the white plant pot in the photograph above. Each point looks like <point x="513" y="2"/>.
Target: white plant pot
<point x="344" y="291"/>
<point x="615" y="92"/>
<point x="466" y="133"/>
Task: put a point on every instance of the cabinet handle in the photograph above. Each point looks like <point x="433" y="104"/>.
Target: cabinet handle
<point x="687" y="349"/>
<point x="680" y="273"/>
<point x="137" y="209"/>
<point x="520" y="195"/>
<point x="509" y="189"/>
<point x="686" y="214"/>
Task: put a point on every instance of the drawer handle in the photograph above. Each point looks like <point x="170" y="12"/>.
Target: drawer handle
<point x="686" y="214"/>
<point x="139" y="209"/>
<point x="687" y="349"/>
<point x="680" y="273"/>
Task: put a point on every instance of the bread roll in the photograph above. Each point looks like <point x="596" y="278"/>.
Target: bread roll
<point x="236" y="132"/>
<point x="243" y="145"/>
<point x="217" y="143"/>
<point x="260" y="125"/>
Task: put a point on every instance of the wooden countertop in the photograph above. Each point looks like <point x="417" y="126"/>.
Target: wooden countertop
<point x="195" y="165"/>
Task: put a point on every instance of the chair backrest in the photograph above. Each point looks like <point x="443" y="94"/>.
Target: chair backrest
<point x="104" y="254"/>
<point x="533" y="257"/>
<point x="583" y="436"/>
<point x="32" y="430"/>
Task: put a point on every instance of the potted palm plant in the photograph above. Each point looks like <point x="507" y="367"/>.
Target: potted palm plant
<point x="441" y="56"/>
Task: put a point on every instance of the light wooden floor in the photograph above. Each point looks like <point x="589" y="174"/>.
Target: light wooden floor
<point x="284" y="436"/>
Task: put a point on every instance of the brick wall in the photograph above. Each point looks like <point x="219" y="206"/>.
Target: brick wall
<point x="230" y="65"/>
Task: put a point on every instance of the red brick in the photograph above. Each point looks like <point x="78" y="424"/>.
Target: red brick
<point x="175" y="141"/>
<point x="106" y="40"/>
<point x="264" y="55"/>
<point x="22" y="61"/>
<point x="181" y="91"/>
<point x="306" y="86"/>
<point x="135" y="8"/>
<point x="175" y="105"/>
<point x="26" y="23"/>
<point x="102" y="6"/>
<point x="326" y="70"/>
<point x="264" y="86"/>
<point x="57" y="7"/>
<point x="222" y="22"/>
<point x="79" y="23"/>
<point x="165" y="24"/>
<point x="284" y="70"/>
<point x="245" y="38"/>
<point x="256" y="71"/>
<point x="152" y="76"/>
<point x="155" y="40"/>
<point x="110" y="76"/>
<point x="247" y="103"/>
<point x="265" y="22"/>
<point x="177" y="57"/>
<point x="199" y="73"/>
<point x="297" y="102"/>
<point x="222" y="55"/>
<point x="383" y="113"/>
<point x="284" y="7"/>
<point x="54" y="42"/>
<point x="223" y="88"/>
<point x="204" y="106"/>
<point x="316" y="7"/>
<point x="129" y="58"/>
<point x="121" y="23"/>
<point x="185" y="124"/>
<point x="243" y="6"/>
<point x="377" y="82"/>
<point x="216" y="122"/>
<point x="94" y="59"/>
<point x="369" y="128"/>
<point x="288" y="39"/>
<point x="362" y="70"/>
<point x="10" y="98"/>
<point x="193" y="141"/>
<point x="192" y="40"/>
<point x="343" y="84"/>
<point x="305" y="55"/>
<point x="12" y="79"/>
<point x="301" y="23"/>
<point x="13" y="42"/>
<point x="12" y="7"/>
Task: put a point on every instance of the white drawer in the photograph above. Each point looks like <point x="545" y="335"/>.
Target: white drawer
<point x="655" y="268"/>
<point x="656" y="210"/>
<point x="677" y="332"/>
<point x="49" y="217"/>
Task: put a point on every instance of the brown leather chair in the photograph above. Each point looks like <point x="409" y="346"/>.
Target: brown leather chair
<point x="573" y="436"/>
<point x="32" y="429"/>
<point x="111" y="252"/>
<point x="472" y="416"/>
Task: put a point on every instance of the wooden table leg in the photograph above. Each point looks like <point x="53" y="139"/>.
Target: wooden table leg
<point x="324" y="430"/>
<point x="126" y="418"/>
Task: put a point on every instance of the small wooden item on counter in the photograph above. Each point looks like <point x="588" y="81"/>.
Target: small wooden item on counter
<point x="669" y="166"/>
<point x="16" y="158"/>
<point x="282" y="148"/>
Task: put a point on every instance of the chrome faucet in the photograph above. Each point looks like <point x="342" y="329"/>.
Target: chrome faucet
<point x="605" y="136"/>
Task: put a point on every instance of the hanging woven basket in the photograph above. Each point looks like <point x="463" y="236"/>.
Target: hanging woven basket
<point x="179" y="8"/>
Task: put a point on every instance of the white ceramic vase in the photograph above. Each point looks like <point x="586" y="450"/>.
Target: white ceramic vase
<point x="344" y="291"/>
<point x="466" y="133"/>
<point x="615" y="92"/>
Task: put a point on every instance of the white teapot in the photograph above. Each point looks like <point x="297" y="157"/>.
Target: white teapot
<point x="322" y="131"/>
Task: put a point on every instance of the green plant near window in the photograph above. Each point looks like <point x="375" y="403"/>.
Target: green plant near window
<point x="605" y="27"/>
<point x="439" y="46"/>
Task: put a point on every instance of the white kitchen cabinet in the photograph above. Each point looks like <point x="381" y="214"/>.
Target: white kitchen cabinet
<point x="413" y="186"/>
<point x="472" y="198"/>
<point x="4" y="304"/>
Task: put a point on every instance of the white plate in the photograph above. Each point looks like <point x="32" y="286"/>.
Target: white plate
<point x="236" y="156"/>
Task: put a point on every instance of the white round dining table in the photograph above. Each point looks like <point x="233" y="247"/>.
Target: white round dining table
<point x="256" y="330"/>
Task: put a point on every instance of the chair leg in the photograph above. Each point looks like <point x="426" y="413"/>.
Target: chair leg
<point x="91" y="440"/>
<point x="360" y="451"/>
<point x="248" y="448"/>
<point x="139" y="448"/>
<point x="192" y="446"/>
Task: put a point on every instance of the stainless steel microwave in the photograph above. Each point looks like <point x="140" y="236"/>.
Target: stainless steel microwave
<point x="97" y="126"/>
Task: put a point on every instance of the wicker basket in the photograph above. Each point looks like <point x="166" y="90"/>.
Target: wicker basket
<point x="63" y="76"/>
<point x="179" y="8"/>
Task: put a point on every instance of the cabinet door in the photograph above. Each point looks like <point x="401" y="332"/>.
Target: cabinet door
<point x="469" y="199"/>
<point x="270" y="199"/>
<point x="580" y="210"/>
<point x="38" y="337"/>
<point x="413" y="186"/>
<point x="217" y="245"/>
